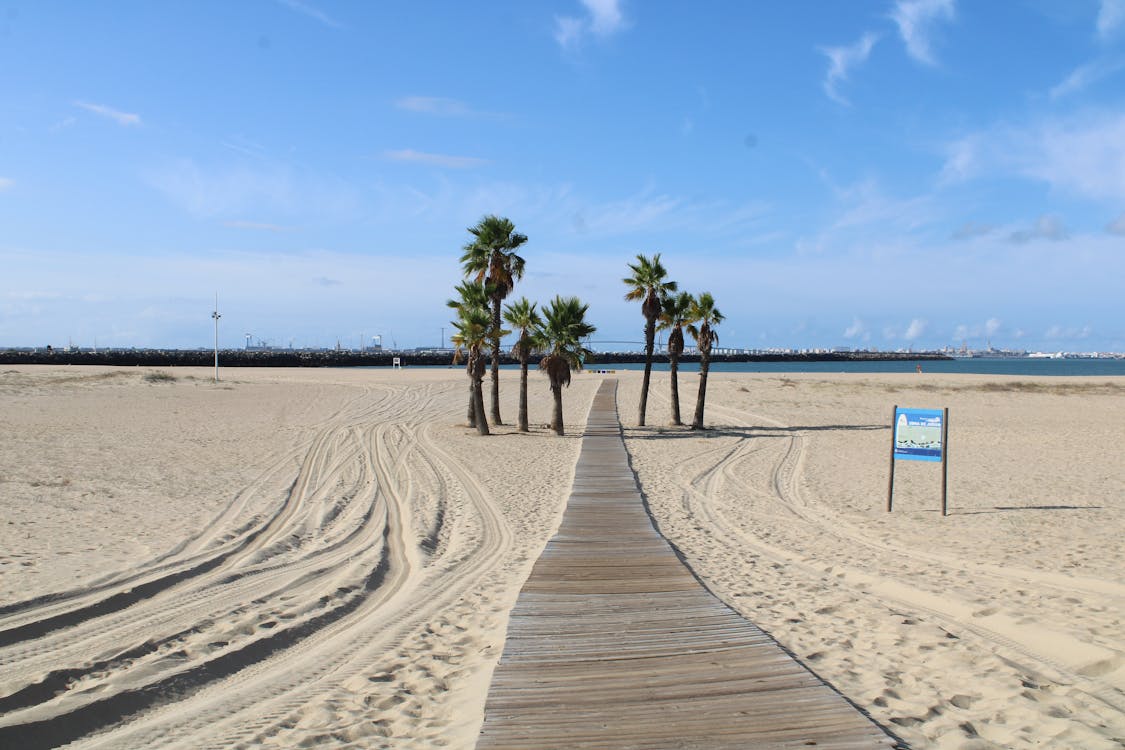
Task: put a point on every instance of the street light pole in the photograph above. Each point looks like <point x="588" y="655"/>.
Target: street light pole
<point x="216" y="316"/>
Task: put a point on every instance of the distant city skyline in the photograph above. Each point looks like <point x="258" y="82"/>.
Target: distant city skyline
<point x="883" y="174"/>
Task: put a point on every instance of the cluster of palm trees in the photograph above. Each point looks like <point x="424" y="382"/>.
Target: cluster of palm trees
<point x="556" y="332"/>
<point x="665" y="308"/>
<point x="492" y="268"/>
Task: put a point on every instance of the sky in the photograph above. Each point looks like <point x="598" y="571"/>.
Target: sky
<point x="886" y="174"/>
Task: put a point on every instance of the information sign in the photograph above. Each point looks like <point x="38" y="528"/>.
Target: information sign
<point x="918" y="434"/>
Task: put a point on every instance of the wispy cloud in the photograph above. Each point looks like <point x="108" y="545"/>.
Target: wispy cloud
<point x="1117" y="226"/>
<point x="1085" y="76"/>
<point x="1082" y="155"/>
<point x="233" y="192"/>
<point x="442" y="107"/>
<point x="1057" y="332"/>
<point x="311" y="11"/>
<point x="603" y="18"/>
<point x="1046" y="228"/>
<point x="434" y="160"/>
<point x="258" y="225"/>
<point x="915" y="20"/>
<point x="6" y="183"/>
<point x="841" y="61"/>
<point x="1111" y="17"/>
<point x="972" y="229"/>
<point x="126" y="119"/>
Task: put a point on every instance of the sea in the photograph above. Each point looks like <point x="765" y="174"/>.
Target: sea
<point x="969" y="366"/>
<point x="974" y="365"/>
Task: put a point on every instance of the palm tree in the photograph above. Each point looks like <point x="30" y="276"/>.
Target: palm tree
<point x="703" y="318"/>
<point x="473" y="327"/>
<point x="470" y="296"/>
<point x="674" y="314"/>
<point x="522" y="314"/>
<point x="490" y="258"/>
<point x="561" y="332"/>
<point x="647" y="284"/>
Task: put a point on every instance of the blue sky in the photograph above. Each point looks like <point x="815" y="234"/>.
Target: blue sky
<point x="873" y="174"/>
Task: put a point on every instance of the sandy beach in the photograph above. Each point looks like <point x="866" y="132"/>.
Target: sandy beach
<point x="326" y="558"/>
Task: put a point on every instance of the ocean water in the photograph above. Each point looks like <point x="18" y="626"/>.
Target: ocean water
<point x="975" y="366"/>
<point x="978" y="366"/>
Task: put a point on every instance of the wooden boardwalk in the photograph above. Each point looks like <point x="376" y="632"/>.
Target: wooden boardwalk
<point x="614" y="644"/>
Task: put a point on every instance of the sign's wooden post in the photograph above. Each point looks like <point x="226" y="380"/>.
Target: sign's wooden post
<point x="891" y="482"/>
<point x="944" y="460"/>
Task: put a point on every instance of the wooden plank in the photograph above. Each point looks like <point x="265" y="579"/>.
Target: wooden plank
<point x="614" y="643"/>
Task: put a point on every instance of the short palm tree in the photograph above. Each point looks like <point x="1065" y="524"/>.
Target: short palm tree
<point x="490" y="258"/>
<point x="674" y="314"/>
<point x="648" y="285"/>
<point x="523" y="316"/>
<point x="561" y="333"/>
<point x="472" y="328"/>
<point x="703" y="318"/>
<point x="471" y="297"/>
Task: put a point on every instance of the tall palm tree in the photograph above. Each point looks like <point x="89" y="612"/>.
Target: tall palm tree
<point x="522" y="315"/>
<point x="703" y="318"/>
<point x="674" y="312"/>
<point x="490" y="257"/>
<point x="648" y="285"/>
<point x="470" y="296"/>
<point x="561" y="332"/>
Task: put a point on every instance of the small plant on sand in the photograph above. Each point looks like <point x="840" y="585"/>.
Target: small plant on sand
<point x="159" y="376"/>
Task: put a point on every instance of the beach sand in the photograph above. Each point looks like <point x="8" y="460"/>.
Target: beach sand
<point x="326" y="558"/>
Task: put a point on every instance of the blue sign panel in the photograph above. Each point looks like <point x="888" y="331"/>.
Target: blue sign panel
<point x="918" y="434"/>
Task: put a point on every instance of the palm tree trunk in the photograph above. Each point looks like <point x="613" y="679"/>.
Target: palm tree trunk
<point x="523" y="392"/>
<point x="557" y="419"/>
<point x="701" y="399"/>
<point x="496" y="362"/>
<point x="674" y="368"/>
<point x="472" y="403"/>
<point x="650" y="338"/>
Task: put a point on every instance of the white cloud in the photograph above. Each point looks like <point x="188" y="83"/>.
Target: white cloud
<point x="1085" y="76"/>
<point x="434" y="160"/>
<point x="231" y="192"/>
<point x="311" y="11"/>
<point x="971" y="230"/>
<point x="435" y="105"/>
<point x="841" y="60"/>
<point x="258" y="225"/>
<point x="6" y="183"/>
<point x="915" y="20"/>
<point x="1046" y="228"/>
<point x="916" y="328"/>
<point x="857" y="328"/>
<point x="1117" y="226"/>
<point x="125" y="119"/>
<point x="1068" y="332"/>
<point x="1083" y="155"/>
<point x="977" y="330"/>
<point x="603" y="19"/>
<point x="1111" y="17"/>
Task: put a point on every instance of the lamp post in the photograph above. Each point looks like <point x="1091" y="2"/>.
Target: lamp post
<point x="216" y="316"/>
